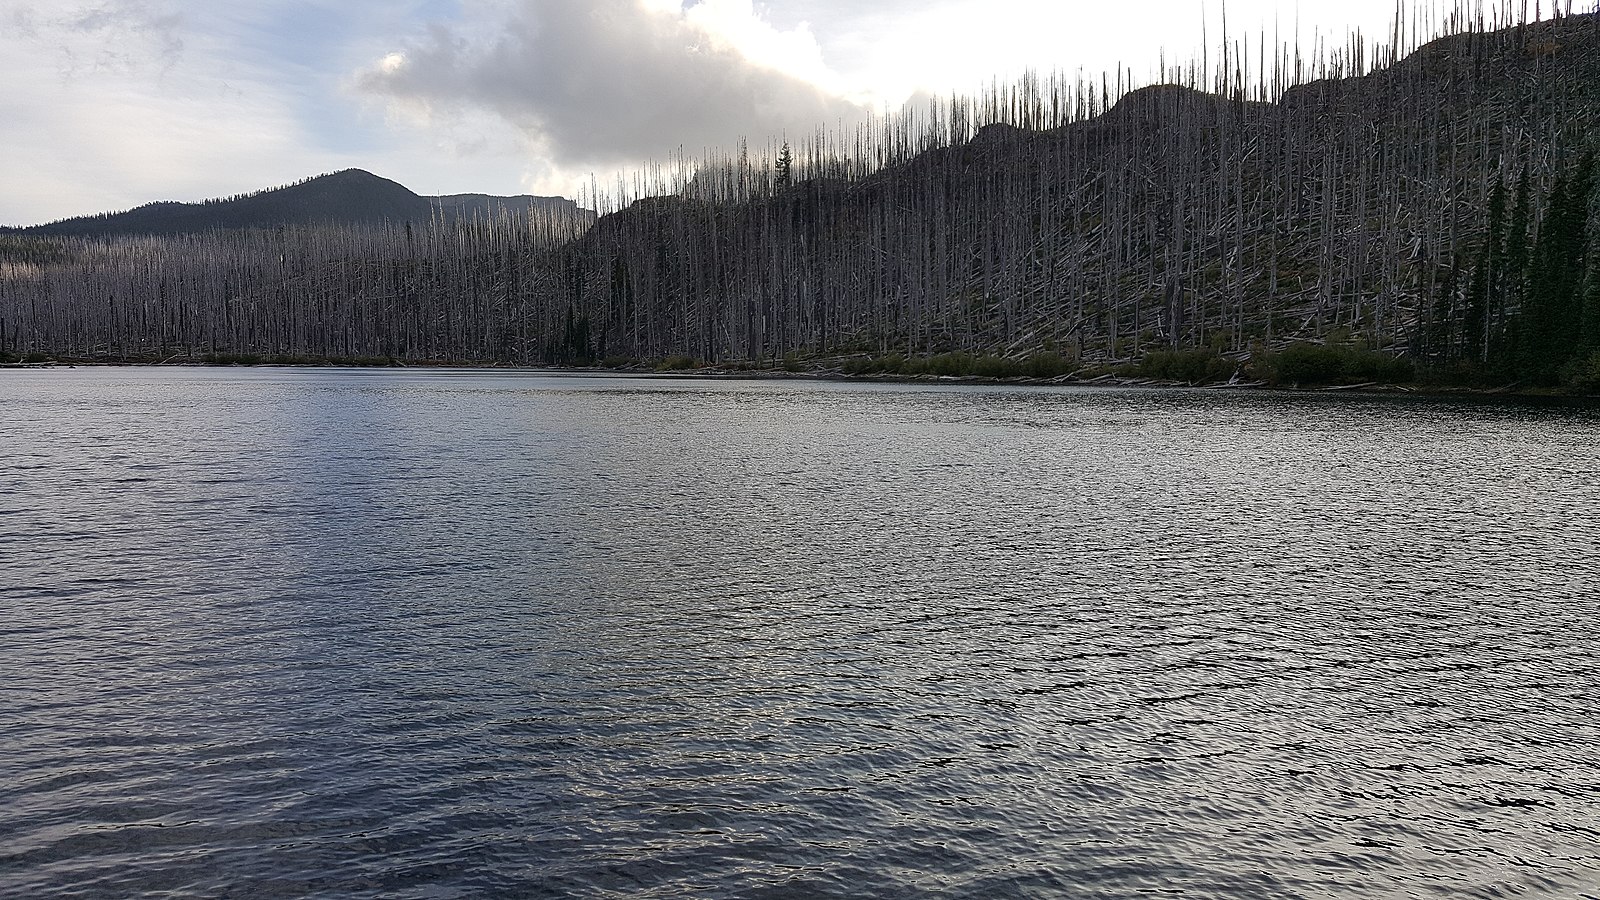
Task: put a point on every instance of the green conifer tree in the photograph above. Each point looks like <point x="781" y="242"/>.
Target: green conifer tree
<point x="785" y="167"/>
<point x="1516" y="241"/>
<point x="1493" y="264"/>
<point x="1472" y="316"/>
<point x="1589" y="326"/>
<point x="1537" y="356"/>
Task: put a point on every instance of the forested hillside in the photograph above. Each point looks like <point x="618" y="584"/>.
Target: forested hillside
<point x="1432" y="205"/>
<point x="351" y="198"/>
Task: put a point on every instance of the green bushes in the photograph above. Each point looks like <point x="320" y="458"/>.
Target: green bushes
<point x="232" y="359"/>
<point x="960" y="365"/>
<point x="1192" y="366"/>
<point x="676" y="363"/>
<point x="1583" y="376"/>
<point x="872" y="365"/>
<point x="292" y="359"/>
<point x="955" y="365"/>
<point x="1333" y="364"/>
<point x="1050" y="365"/>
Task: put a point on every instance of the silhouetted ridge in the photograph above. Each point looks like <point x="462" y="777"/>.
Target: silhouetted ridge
<point x="345" y="198"/>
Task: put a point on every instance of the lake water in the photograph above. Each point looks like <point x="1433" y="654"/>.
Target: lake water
<point x="284" y="632"/>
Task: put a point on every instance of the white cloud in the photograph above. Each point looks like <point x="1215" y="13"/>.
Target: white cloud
<point x="112" y="103"/>
<point x="601" y="84"/>
<point x="737" y="25"/>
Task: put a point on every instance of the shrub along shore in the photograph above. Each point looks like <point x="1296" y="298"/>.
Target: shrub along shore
<point x="1296" y="367"/>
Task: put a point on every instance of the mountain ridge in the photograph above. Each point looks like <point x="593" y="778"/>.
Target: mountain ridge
<point x="1437" y="208"/>
<point x="343" y="198"/>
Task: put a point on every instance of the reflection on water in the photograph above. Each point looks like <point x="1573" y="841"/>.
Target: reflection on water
<point x="278" y="632"/>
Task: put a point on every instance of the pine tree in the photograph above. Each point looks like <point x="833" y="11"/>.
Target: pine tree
<point x="1589" y="325"/>
<point x="1474" y="311"/>
<point x="1551" y="328"/>
<point x="784" y="168"/>
<point x="1516" y="242"/>
<point x="1537" y="357"/>
<point x="1493" y="263"/>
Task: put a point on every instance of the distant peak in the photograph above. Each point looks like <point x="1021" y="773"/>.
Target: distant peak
<point x="353" y="173"/>
<point x="345" y="197"/>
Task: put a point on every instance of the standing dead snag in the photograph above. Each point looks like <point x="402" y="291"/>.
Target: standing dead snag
<point x="1252" y="199"/>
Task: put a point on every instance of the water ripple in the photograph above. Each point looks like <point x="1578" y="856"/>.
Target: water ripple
<point x="288" y="633"/>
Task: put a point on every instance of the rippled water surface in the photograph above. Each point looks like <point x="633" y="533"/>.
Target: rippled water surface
<point x="453" y="634"/>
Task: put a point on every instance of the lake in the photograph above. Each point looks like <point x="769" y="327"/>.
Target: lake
<point x="291" y="632"/>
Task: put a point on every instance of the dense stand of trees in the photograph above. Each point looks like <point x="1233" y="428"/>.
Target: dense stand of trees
<point x="1424" y="199"/>
<point x="408" y="291"/>
<point x="1526" y="306"/>
<point x="1307" y="204"/>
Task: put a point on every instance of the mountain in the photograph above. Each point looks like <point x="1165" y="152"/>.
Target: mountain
<point x="1433" y="203"/>
<point x="350" y="197"/>
<point x="1353" y="205"/>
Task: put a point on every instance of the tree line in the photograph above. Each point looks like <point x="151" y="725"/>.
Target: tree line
<point x="1419" y="197"/>
<point x="1526" y="304"/>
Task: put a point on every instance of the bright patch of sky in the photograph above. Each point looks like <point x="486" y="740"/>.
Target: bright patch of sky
<point x="113" y="103"/>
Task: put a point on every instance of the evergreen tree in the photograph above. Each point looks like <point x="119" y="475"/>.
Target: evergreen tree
<point x="785" y="167"/>
<point x="1589" y="326"/>
<point x="1516" y="241"/>
<point x="1472" y="316"/>
<point x="1536" y="357"/>
<point x="1435" y="340"/>
<point x="573" y="346"/>
<point x="1552" y="330"/>
<point x="1576" y="263"/>
<point x="1493" y="264"/>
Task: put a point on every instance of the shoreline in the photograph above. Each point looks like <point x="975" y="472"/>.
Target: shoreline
<point x="719" y="373"/>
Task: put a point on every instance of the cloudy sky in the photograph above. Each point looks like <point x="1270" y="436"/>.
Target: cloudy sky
<point x="111" y="103"/>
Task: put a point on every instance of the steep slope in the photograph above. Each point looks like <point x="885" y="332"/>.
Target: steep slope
<point x="1174" y="219"/>
<point x="1409" y="209"/>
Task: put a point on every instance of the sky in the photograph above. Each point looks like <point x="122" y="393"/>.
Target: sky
<point x="108" y="104"/>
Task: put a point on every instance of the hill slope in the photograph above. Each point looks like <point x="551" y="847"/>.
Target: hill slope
<point x="1433" y="206"/>
<point x="1352" y="206"/>
<point x="350" y="197"/>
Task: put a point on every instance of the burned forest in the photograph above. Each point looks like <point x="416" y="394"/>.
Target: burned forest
<point x="1420" y="202"/>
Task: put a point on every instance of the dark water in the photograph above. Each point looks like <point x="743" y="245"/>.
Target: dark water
<point x="278" y="633"/>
